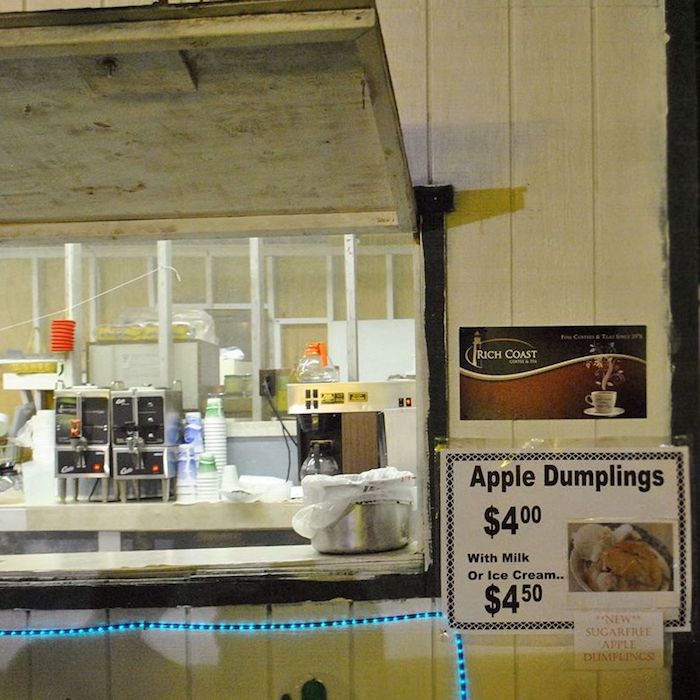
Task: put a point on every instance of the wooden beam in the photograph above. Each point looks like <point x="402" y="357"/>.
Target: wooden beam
<point x="180" y="34"/>
<point x="31" y="233"/>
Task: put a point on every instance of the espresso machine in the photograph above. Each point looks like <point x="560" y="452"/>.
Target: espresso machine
<point x="345" y="421"/>
<point x="82" y="437"/>
<point x="146" y="431"/>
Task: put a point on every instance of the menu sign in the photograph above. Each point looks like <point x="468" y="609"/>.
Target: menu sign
<point x="552" y="372"/>
<point x="530" y="538"/>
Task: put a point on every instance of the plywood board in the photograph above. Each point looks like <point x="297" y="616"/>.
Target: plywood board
<point x="217" y="126"/>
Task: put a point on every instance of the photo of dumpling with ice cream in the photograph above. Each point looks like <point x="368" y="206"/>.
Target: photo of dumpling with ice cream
<point x="620" y="557"/>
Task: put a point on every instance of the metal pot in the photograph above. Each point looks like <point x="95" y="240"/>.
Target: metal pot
<point x="372" y="526"/>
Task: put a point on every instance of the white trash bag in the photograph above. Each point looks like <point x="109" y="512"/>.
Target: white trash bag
<point x="328" y="498"/>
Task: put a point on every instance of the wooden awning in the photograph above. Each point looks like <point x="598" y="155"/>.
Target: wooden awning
<point x="227" y="119"/>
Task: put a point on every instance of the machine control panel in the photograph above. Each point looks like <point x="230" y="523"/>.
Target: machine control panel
<point x="350" y="397"/>
<point x="90" y="463"/>
<point x="156" y="463"/>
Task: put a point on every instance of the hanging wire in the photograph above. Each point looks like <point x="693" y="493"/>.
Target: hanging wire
<point x="285" y="432"/>
<point x="92" y="298"/>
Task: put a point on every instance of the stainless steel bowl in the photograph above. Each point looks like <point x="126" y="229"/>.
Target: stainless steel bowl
<point x="373" y="526"/>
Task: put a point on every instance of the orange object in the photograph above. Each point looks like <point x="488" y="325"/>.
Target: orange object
<point x="62" y="335"/>
<point x="318" y="349"/>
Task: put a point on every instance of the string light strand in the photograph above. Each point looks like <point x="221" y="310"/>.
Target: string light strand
<point x="307" y="625"/>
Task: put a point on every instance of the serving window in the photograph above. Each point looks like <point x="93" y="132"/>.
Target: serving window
<point x="239" y="312"/>
<point x="225" y="191"/>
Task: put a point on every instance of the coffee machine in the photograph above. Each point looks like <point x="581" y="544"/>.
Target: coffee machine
<point x="146" y="430"/>
<point x="348" y="419"/>
<point x="82" y="437"/>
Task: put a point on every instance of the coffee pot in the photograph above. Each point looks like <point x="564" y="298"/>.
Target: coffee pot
<point x="320" y="459"/>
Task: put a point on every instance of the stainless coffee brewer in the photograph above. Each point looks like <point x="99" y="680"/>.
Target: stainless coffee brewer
<point x="340" y="425"/>
<point x="146" y="430"/>
<point x="82" y="437"/>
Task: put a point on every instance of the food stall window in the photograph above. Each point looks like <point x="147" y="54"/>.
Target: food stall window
<point x="120" y="327"/>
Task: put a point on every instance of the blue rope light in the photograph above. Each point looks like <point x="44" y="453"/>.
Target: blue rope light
<point x="145" y="625"/>
<point x="463" y="686"/>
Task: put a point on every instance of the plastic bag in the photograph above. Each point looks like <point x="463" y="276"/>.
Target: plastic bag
<point x="141" y="324"/>
<point x="328" y="498"/>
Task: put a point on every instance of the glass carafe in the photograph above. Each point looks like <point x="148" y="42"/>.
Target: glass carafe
<point x="320" y="459"/>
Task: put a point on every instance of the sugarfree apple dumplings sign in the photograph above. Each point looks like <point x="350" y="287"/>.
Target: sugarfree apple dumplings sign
<point x="530" y="539"/>
<point x="552" y="372"/>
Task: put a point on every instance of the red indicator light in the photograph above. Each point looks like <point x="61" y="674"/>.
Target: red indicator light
<point x="155" y="468"/>
<point x="409" y="401"/>
<point x="96" y="467"/>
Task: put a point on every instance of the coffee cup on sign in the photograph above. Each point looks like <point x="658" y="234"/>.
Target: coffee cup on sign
<point x="602" y="401"/>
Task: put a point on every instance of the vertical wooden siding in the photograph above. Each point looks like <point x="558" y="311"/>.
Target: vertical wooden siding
<point x="563" y="101"/>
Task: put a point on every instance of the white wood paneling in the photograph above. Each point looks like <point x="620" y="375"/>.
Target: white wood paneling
<point x="229" y="664"/>
<point x="11" y="6"/>
<point x="31" y="5"/>
<point x="445" y="662"/>
<point x="414" y="659"/>
<point x="297" y="656"/>
<point x="551" y="142"/>
<point x="631" y="284"/>
<point x="566" y="100"/>
<point x="71" y="667"/>
<point x="490" y="661"/>
<point x="150" y="663"/>
<point x="14" y="657"/>
<point x="470" y="138"/>
<point x="545" y="668"/>
<point x="393" y="660"/>
<point x="403" y="25"/>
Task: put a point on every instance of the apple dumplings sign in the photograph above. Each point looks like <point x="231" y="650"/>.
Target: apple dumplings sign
<point x="552" y="372"/>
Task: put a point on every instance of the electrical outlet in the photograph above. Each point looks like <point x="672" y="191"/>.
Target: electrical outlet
<point x="267" y="382"/>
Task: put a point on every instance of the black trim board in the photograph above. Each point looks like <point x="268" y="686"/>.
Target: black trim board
<point x="433" y="203"/>
<point x="682" y="161"/>
<point x="206" y="592"/>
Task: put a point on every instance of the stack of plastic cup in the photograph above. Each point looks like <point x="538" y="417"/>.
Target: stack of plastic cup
<point x="44" y="436"/>
<point x="38" y="476"/>
<point x="215" y="433"/>
<point x="186" y="483"/>
<point x="207" y="478"/>
<point x="194" y="431"/>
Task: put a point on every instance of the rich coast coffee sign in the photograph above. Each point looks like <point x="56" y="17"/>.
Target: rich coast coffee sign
<point x="552" y="372"/>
